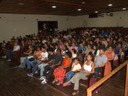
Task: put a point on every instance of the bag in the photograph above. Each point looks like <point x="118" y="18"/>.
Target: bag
<point x="93" y="81"/>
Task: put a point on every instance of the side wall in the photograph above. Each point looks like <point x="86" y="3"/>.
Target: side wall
<point x="119" y="19"/>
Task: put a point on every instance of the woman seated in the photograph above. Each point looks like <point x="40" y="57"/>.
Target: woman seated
<point x="59" y="72"/>
<point x="87" y="68"/>
<point x="76" y="66"/>
<point x="29" y="52"/>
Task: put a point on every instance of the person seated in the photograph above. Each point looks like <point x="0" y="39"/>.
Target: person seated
<point x="38" y="61"/>
<point x="47" y="62"/>
<point x="29" y="52"/>
<point x="87" y="51"/>
<point x="37" y="55"/>
<point x="100" y="61"/>
<point x="81" y="47"/>
<point x="72" y="47"/>
<point x="87" y="68"/>
<point x="76" y="66"/>
<point x="49" y="69"/>
<point x="60" y="72"/>
<point x="10" y="52"/>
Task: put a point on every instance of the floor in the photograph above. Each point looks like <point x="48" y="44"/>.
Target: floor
<point x="15" y="82"/>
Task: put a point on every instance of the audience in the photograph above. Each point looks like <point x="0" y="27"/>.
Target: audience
<point x="61" y="55"/>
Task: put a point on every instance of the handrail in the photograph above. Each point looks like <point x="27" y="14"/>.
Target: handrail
<point x="101" y="81"/>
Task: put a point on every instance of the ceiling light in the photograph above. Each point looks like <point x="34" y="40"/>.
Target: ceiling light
<point x="21" y="3"/>
<point x="79" y="9"/>
<point x="53" y="6"/>
<point x="123" y="8"/>
<point x="96" y="11"/>
<point x="109" y="4"/>
<point x="83" y="2"/>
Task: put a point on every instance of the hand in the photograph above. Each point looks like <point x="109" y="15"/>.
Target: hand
<point x="52" y="66"/>
<point x="77" y="71"/>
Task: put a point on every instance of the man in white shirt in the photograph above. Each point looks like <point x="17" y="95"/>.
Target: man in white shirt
<point x="11" y="52"/>
<point x="37" y="63"/>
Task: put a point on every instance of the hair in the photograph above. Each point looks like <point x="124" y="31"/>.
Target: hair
<point x="102" y="48"/>
<point x="59" y="50"/>
<point x="50" y="49"/>
<point x="74" y="50"/>
<point x="76" y="59"/>
<point x="69" y="54"/>
<point x="91" y="55"/>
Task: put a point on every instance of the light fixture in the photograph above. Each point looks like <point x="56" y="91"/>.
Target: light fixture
<point x="123" y="8"/>
<point x="96" y="11"/>
<point x="83" y="2"/>
<point x="110" y="5"/>
<point x="79" y="9"/>
<point x="53" y="6"/>
<point x="21" y="3"/>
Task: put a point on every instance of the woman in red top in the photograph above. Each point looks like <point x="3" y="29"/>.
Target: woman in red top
<point x="60" y="72"/>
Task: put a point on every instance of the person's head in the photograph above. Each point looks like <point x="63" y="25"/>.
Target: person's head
<point x="110" y="48"/>
<point x="73" y="44"/>
<point x="94" y="47"/>
<point x="102" y="50"/>
<point x="76" y="60"/>
<point x="38" y="48"/>
<point x="89" y="46"/>
<point x="50" y="51"/>
<point x="16" y="43"/>
<point x="56" y="46"/>
<point x="90" y="57"/>
<point x="81" y="44"/>
<point x="43" y="49"/>
<point x="58" y="51"/>
<point x="68" y="54"/>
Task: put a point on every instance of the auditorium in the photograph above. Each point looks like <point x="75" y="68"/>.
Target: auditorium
<point x="63" y="48"/>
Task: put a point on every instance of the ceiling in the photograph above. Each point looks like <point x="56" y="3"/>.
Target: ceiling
<point x="63" y="7"/>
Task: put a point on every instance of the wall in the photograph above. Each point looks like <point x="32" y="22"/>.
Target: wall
<point x="118" y="19"/>
<point x="17" y="24"/>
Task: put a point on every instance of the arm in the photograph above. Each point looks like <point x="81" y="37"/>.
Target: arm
<point x="28" y="52"/>
<point x="50" y="62"/>
<point x="56" y="64"/>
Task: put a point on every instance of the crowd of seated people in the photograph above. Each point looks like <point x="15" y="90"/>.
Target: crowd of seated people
<point x="69" y="56"/>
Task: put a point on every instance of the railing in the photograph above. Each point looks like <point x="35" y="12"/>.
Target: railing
<point x="101" y="81"/>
